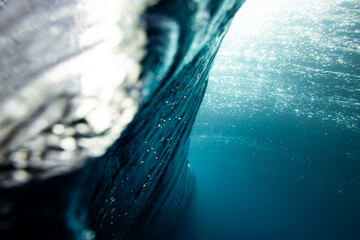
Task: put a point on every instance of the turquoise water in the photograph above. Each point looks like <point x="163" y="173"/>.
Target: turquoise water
<point x="276" y="145"/>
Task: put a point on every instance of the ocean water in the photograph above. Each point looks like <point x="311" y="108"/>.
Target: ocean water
<point x="275" y="149"/>
<point x="276" y="144"/>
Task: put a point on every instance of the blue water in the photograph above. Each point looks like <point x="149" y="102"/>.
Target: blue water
<point x="276" y="144"/>
<point x="274" y="152"/>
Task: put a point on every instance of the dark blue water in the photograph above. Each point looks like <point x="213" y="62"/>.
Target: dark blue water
<point x="276" y="144"/>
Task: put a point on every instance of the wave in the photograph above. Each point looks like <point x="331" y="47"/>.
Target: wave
<point x="142" y="187"/>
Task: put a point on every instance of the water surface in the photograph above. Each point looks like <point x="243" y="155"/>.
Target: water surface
<point x="276" y="145"/>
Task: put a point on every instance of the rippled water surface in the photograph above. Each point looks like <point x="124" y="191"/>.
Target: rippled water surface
<point x="276" y="145"/>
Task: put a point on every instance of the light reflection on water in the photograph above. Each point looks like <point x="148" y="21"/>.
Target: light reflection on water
<point x="293" y="56"/>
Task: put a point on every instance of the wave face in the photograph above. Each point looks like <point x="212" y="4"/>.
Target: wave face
<point x="142" y="187"/>
<point x="145" y="186"/>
